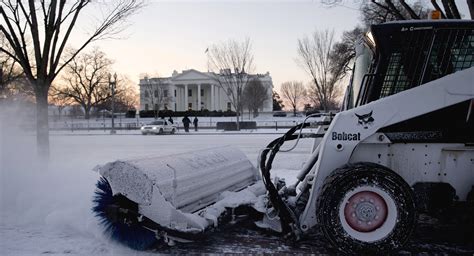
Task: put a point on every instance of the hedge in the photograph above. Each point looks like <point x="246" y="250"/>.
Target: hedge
<point x="170" y="113"/>
<point x="232" y="126"/>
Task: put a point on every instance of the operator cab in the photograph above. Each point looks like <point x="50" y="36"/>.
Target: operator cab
<point x="397" y="56"/>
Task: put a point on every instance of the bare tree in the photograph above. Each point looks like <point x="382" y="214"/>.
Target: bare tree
<point x="255" y="94"/>
<point x="376" y="12"/>
<point x="59" y="100"/>
<point x="37" y="33"/>
<point x="86" y="78"/>
<point x="154" y="93"/>
<point x="8" y="73"/>
<point x="232" y="62"/>
<point x="128" y="99"/>
<point x="124" y="100"/>
<point x="293" y="92"/>
<point x="343" y="51"/>
<point x="314" y="57"/>
<point x="12" y="80"/>
<point x="277" y="102"/>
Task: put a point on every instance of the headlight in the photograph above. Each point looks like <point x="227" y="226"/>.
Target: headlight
<point x="142" y="128"/>
<point x="154" y="127"/>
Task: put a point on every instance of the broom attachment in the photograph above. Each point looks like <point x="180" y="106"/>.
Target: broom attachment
<point x="174" y="198"/>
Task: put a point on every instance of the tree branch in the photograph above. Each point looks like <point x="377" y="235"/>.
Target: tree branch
<point x="410" y="11"/>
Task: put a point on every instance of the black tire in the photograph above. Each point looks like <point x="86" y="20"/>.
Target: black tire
<point x="160" y="131"/>
<point x="173" y="131"/>
<point x="350" y="229"/>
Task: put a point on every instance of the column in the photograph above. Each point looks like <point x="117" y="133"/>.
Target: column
<point x="219" y="106"/>
<point x="185" y="97"/>
<point x="178" y="98"/>
<point x="213" y="107"/>
<point x="181" y="97"/>
<point x="181" y="90"/>
<point x="199" y="97"/>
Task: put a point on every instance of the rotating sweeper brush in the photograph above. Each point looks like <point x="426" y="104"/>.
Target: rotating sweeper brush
<point x="176" y="198"/>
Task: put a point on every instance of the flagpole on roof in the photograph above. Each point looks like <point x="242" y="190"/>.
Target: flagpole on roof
<point x="207" y="55"/>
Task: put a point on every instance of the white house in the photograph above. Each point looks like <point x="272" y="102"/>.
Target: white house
<point x="194" y="90"/>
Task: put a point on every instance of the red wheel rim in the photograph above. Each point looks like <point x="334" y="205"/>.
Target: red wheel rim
<point x="365" y="211"/>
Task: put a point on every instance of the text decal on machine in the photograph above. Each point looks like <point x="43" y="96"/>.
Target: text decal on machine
<point x="345" y="136"/>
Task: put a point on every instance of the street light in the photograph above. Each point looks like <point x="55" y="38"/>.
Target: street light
<point x="112" y="85"/>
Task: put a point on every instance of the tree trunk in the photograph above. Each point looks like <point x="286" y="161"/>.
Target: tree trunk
<point x="42" y="125"/>
<point x="87" y="113"/>
<point x="60" y="111"/>
<point x="238" y="120"/>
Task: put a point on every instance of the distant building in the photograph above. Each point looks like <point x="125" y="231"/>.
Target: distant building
<point x="193" y="90"/>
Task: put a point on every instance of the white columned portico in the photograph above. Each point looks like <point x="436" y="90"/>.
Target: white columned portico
<point x="199" y="97"/>
<point x="186" y="97"/>
<point x="213" y="107"/>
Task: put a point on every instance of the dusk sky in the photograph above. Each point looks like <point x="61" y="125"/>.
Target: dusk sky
<point x="173" y="35"/>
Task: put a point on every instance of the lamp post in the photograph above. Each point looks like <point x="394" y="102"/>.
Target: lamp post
<point x="112" y="85"/>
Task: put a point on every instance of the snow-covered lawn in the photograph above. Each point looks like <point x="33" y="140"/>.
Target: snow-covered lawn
<point x="45" y="209"/>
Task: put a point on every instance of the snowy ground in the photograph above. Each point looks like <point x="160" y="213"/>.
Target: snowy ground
<point x="49" y="211"/>
<point x="45" y="209"/>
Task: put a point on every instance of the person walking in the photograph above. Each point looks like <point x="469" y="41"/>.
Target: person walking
<point x="195" y="122"/>
<point x="186" y="122"/>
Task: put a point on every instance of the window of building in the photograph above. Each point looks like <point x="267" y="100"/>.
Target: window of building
<point x="165" y="93"/>
<point x="190" y="93"/>
<point x="156" y="93"/>
<point x="147" y="94"/>
<point x="229" y="106"/>
<point x="146" y="106"/>
<point x="175" y="93"/>
<point x="190" y="106"/>
<point x="202" y="92"/>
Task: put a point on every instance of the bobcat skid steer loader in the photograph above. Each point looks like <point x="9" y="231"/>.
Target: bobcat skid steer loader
<point x="403" y="143"/>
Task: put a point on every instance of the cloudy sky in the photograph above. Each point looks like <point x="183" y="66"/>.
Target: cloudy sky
<point x="173" y="35"/>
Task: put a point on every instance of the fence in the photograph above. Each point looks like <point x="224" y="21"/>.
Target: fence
<point x="121" y="123"/>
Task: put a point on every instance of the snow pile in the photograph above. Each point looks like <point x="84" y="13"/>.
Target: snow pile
<point x="229" y="199"/>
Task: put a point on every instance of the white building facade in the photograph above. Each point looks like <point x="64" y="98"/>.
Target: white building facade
<point x="194" y="90"/>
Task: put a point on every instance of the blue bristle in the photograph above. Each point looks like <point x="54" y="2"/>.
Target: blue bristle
<point x="135" y="237"/>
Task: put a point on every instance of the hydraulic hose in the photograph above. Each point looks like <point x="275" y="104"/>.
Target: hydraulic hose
<point x="287" y="216"/>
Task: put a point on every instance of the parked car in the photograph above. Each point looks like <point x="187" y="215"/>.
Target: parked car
<point x="279" y="113"/>
<point x="158" y="127"/>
